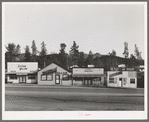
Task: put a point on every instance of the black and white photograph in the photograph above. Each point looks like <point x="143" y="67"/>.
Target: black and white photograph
<point x="74" y="60"/>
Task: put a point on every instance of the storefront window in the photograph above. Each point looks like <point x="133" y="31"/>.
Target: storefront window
<point x="49" y="77"/>
<point x="120" y="79"/>
<point x="43" y="77"/>
<point x="13" y="77"/>
<point x="65" y="77"/>
<point x="132" y="80"/>
<point x="111" y="80"/>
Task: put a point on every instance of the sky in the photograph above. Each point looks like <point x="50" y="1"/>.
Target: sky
<point x="97" y="27"/>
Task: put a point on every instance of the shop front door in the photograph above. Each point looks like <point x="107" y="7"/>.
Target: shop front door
<point x="22" y="79"/>
<point x="88" y="82"/>
<point x="57" y="79"/>
<point x="120" y="82"/>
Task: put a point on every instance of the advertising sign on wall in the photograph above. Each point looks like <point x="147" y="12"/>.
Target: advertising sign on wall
<point x="88" y="70"/>
<point x="22" y="66"/>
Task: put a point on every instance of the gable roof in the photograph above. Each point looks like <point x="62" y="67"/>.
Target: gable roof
<point x="59" y="66"/>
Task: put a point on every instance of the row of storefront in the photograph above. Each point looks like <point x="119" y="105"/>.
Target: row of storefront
<point x="54" y="74"/>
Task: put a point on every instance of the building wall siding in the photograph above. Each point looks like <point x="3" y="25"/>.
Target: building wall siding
<point x="127" y="75"/>
<point x="60" y="70"/>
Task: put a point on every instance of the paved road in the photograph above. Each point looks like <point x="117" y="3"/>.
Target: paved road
<point x="64" y="98"/>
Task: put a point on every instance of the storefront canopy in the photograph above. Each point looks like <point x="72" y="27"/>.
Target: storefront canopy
<point x="50" y="71"/>
<point x="20" y="73"/>
<point x="88" y="75"/>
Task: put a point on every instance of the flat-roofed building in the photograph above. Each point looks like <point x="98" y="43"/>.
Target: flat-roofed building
<point x="88" y="76"/>
<point x="126" y="78"/>
<point x="22" y="72"/>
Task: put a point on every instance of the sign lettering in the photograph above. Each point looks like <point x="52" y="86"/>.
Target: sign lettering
<point x="22" y="67"/>
<point x="87" y="70"/>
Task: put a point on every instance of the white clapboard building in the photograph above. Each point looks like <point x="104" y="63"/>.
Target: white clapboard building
<point x="126" y="78"/>
<point x="54" y="74"/>
<point x="22" y="72"/>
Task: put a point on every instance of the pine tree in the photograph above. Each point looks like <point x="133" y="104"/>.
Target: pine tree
<point x="137" y="53"/>
<point x="18" y="49"/>
<point x="63" y="55"/>
<point x="43" y="53"/>
<point x="43" y="49"/>
<point x="27" y="54"/>
<point x="11" y="52"/>
<point x="89" y="60"/>
<point x="74" y="53"/>
<point x="81" y="59"/>
<point x="126" y="52"/>
<point x="113" y="53"/>
<point x="34" y="48"/>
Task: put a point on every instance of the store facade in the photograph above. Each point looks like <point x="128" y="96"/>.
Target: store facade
<point x="54" y="74"/>
<point x="126" y="78"/>
<point x="22" y="72"/>
<point x="88" y="76"/>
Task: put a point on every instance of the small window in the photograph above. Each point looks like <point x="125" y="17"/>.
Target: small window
<point x="120" y="79"/>
<point x="13" y="77"/>
<point x="111" y="80"/>
<point x="49" y="77"/>
<point x="132" y="80"/>
<point x="43" y="77"/>
<point x="65" y="77"/>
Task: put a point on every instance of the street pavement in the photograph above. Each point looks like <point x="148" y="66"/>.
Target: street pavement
<point x="71" y="98"/>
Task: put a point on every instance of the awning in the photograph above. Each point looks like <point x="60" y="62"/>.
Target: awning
<point x="19" y="73"/>
<point x="50" y="71"/>
<point x="88" y="75"/>
<point x="115" y="74"/>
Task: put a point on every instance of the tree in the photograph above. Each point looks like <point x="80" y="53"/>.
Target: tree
<point x="74" y="53"/>
<point x="43" y="49"/>
<point x="27" y="54"/>
<point x="18" y="49"/>
<point x="43" y="53"/>
<point x="81" y="59"/>
<point x="63" y="55"/>
<point x="126" y="53"/>
<point x="113" y="53"/>
<point x="132" y="57"/>
<point x="11" y="48"/>
<point x="34" y="48"/>
<point x="11" y="52"/>
<point x="137" y="53"/>
<point x="112" y="58"/>
<point x="89" y="60"/>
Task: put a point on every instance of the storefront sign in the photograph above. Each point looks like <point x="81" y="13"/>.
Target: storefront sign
<point x="58" y="73"/>
<point x="22" y="67"/>
<point x="19" y="67"/>
<point x="122" y="69"/>
<point x="130" y="69"/>
<point x="21" y="74"/>
<point x="88" y="70"/>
